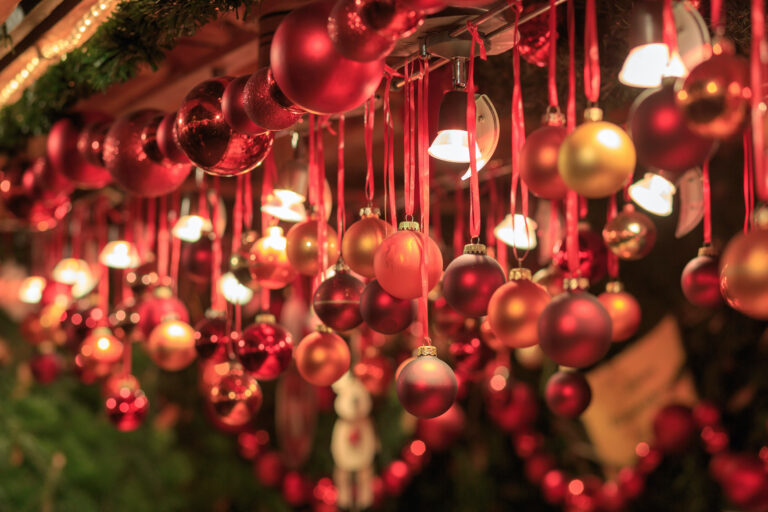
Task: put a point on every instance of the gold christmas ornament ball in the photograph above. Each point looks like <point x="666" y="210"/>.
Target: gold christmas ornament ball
<point x="744" y="273"/>
<point x="102" y="347"/>
<point x="514" y="310"/>
<point x="302" y="247"/>
<point x="596" y="159"/>
<point x="322" y="357"/>
<point x="630" y="235"/>
<point x="623" y="309"/>
<point x="171" y="345"/>
<point x="361" y="240"/>
<point x="268" y="261"/>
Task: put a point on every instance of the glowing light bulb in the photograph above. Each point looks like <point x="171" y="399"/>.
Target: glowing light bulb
<point x="453" y="146"/>
<point x="75" y="272"/>
<point x="31" y="289"/>
<point x="190" y="228"/>
<point x="286" y="205"/>
<point x="275" y="239"/>
<point x="233" y="291"/>
<point x="119" y="254"/>
<point x="645" y="65"/>
<point x="520" y="234"/>
<point x="653" y="193"/>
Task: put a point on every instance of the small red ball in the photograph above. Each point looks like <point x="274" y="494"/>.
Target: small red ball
<point x="609" y="498"/>
<point x="269" y="469"/>
<point x="469" y="282"/>
<point x="337" y="301"/>
<point x="396" y="477"/>
<point x="426" y="387"/>
<point x="538" y="162"/>
<point x="233" y="109"/>
<point x="554" y="486"/>
<point x="90" y="143"/>
<point x="514" y="311"/>
<point x="384" y="313"/>
<point x="375" y="372"/>
<point x="211" y="336"/>
<point x="470" y="354"/>
<point x="234" y="400"/>
<point x="674" y="428"/>
<point x="568" y="394"/>
<point x="197" y="259"/>
<point x="593" y="255"/>
<point x="700" y="282"/>
<point x="62" y="151"/>
<point x="353" y="37"/>
<point x="397" y="263"/>
<point x="518" y="408"/>
<point x="745" y="481"/>
<point x="575" y="330"/>
<point x="166" y="140"/>
<point x="266" y="105"/>
<point x="743" y="279"/>
<point x="631" y="482"/>
<point x="440" y="432"/>
<point x="46" y="367"/>
<point x="322" y="358"/>
<point x="296" y="488"/>
<point x="156" y="307"/>
<point x="265" y="349"/>
<point x="127" y="408"/>
<point x="538" y="465"/>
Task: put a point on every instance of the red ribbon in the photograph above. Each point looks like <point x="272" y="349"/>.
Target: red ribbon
<point x="389" y="156"/>
<point x="150" y="223"/>
<point x="217" y="301"/>
<point x="670" y="32"/>
<point x="248" y="203"/>
<point x="175" y="242"/>
<point x="237" y="213"/>
<point x="163" y="238"/>
<point x="707" y="203"/>
<point x="318" y="169"/>
<point x="423" y="89"/>
<point x="592" y="57"/>
<point x="716" y="17"/>
<point x="101" y="234"/>
<point x="475" y="216"/>
<point x="458" y="226"/>
<point x="613" y="260"/>
<point x="552" y="68"/>
<point x="370" y="109"/>
<point x="341" y="213"/>
<point x="749" y="182"/>
<point x="758" y="60"/>
<point x="409" y="162"/>
<point x="270" y="175"/>
<point x="571" y="199"/>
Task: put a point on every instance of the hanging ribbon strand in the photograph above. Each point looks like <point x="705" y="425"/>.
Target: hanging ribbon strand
<point x="669" y="30"/>
<point x="423" y="89"/>
<point x="341" y="213"/>
<point x="758" y="61"/>
<point x="707" y="203"/>
<point x="613" y="260"/>
<point x="409" y="171"/>
<point x="217" y="301"/>
<point x="572" y="199"/>
<point x="370" y="109"/>
<point x="552" y="67"/>
<point x="592" y="56"/>
<point x="268" y="179"/>
<point x="389" y="152"/>
<point x="749" y="184"/>
<point x="475" y="217"/>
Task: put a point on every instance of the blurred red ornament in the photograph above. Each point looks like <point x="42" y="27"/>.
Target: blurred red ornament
<point x="397" y="262"/>
<point x="426" y="386"/>
<point x="197" y="259"/>
<point x="396" y="477"/>
<point x="234" y="400"/>
<point x="156" y="307"/>
<point x="32" y="330"/>
<point x="674" y="428"/>
<point x="129" y="164"/>
<point x="630" y="235"/>
<point x="322" y="358"/>
<point x="102" y="347"/>
<point x="264" y="348"/>
<point x="166" y="140"/>
<point x="706" y="414"/>
<point x="297" y="488"/>
<point x="268" y="261"/>
<point x="534" y="34"/>
<point x="517" y="410"/>
<point x="64" y="156"/>
<point x="609" y="498"/>
<point x="211" y="336"/>
<point x="46" y="367"/>
<point x="440" y="432"/>
<point x="302" y="246"/>
<point x="362" y="239"/>
<point x="745" y="481"/>
<point x="55" y="292"/>
<point x="447" y="321"/>
<point x="269" y="469"/>
<point x="171" y="345"/>
<point x="424" y="6"/>
<point x="78" y="321"/>
<point x="470" y="355"/>
<point x="375" y="372"/>
<point x="266" y="105"/>
<point x="515" y="308"/>
<point x="207" y="139"/>
<point x="415" y="454"/>
<point x="661" y="134"/>
<point x="743" y="279"/>
<point x="471" y="279"/>
<point x="700" y="281"/>
<point x="311" y="71"/>
<point x="568" y="394"/>
<point x="623" y="309"/>
<point x="538" y="465"/>
<point x="384" y="313"/>
<point x="337" y="300"/>
<point x="116" y="381"/>
<point x="249" y="444"/>
<point x="575" y="330"/>
<point x="143" y="278"/>
<point x="554" y="486"/>
<point x="352" y="35"/>
<point x="551" y="278"/>
<point x="538" y="161"/>
<point x="149" y="140"/>
<point x="90" y="142"/>
<point x="593" y="255"/>
<point x="489" y="337"/>
<point x="233" y="109"/>
<point x="123" y="319"/>
<point x="325" y="496"/>
<point x="631" y="482"/>
<point x="127" y="408"/>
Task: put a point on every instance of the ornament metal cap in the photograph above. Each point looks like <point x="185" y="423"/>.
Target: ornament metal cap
<point x="408" y="225"/>
<point x="264" y="317"/>
<point x="323" y="328"/>
<point x="707" y="250"/>
<point x="575" y="283"/>
<point x="340" y="266"/>
<point x="554" y="117"/>
<point x="214" y="313"/>
<point x="519" y="274"/>
<point x="369" y="211"/>
<point x="592" y="114"/>
<point x="614" y="286"/>
<point x="426" y="350"/>
<point x="479" y="249"/>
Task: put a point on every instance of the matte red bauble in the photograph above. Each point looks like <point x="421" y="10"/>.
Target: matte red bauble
<point x="471" y="279"/>
<point x="362" y="239"/>
<point x="700" y="281"/>
<point x="45" y="367"/>
<point x="322" y="357"/>
<point x="397" y="262"/>
<point x="171" y="345"/>
<point x="661" y="133"/>
<point x="568" y="394"/>
<point x="90" y="143"/>
<point x="514" y="310"/>
<point x="302" y="247"/>
<point x="593" y="255"/>
<point x="575" y="330"/>
<point x="266" y="105"/>
<point x="538" y="161"/>
<point x="268" y="261"/>
<point x="623" y="309"/>
<point x="166" y="140"/>
<point x="129" y="164"/>
<point x="744" y="274"/>
<point x="375" y="372"/>
<point x="234" y="400"/>
<point x="233" y="110"/>
<point x="426" y="386"/>
<point x="197" y="259"/>
<point x="337" y="300"/>
<point x="264" y="348"/>
<point x="470" y="354"/>
<point x="630" y="235"/>
<point x="715" y="95"/>
<point x="127" y="408"/>
<point x="61" y="148"/>
<point x="518" y="410"/>
<point x="207" y="139"/>
<point x="211" y="336"/>
<point x="311" y="71"/>
<point x="674" y="428"/>
<point x="440" y="432"/>
<point x="384" y="313"/>
<point x="353" y="37"/>
<point x="158" y="306"/>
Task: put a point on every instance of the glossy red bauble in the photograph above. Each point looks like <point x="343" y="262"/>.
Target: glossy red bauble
<point x="375" y="373"/>
<point x="234" y="401"/>
<point x="700" y="281"/>
<point x="302" y="246"/>
<point x="538" y="162"/>
<point x="127" y="408"/>
<point x="514" y="407"/>
<point x="624" y="311"/>
<point x="264" y="348"/>
<point x="149" y="140"/>
<point x="568" y="394"/>
<point x="297" y="488"/>
<point x="158" y="306"/>
<point x="63" y="153"/>
<point x="337" y="301"/>
<point x="397" y="263"/>
<point x="90" y="143"/>
<point x="514" y="311"/>
<point x="426" y="387"/>
<point x="266" y="105"/>
<point x="593" y="255"/>
<point x="322" y="358"/>
<point x="233" y="109"/>
<point x="424" y="6"/>
<point x="440" y="432"/>
<point x="130" y="166"/>
<point x="743" y="276"/>
<point x="384" y="313"/>
<point x="197" y="259"/>
<point x="78" y="321"/>
<point x="469" y="282"/>
<point x="166" y="140"/>
<point x="575" y="330"/>
<point x="207" y="139"/>
<point x="661" y="134"/>
<point x="674" y="429"/>
<point x="311" y="71"/>
<point x="470" y="354"/>
<point x="353" y="36"/>
<point x="745" y="481"/>
<point x="211" y="336"/>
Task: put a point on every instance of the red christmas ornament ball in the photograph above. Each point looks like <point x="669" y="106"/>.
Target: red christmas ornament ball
<point x="322" y="358"/>
<point x="593" y="255"/>
<point x="297" y="488"/>
<point x="470" y="355"/>
<point x="661" y="134"/>
<point x="90" y="143"/>
<point x="568" y="394"/>
<point x="207" y="139"/>
<point x="129" y="164"/>
<point x="674" y="428"/>
<point x="62" y="151"/>
<point x="624" y="311"/>
<point x="575" y="330"/>
<point x="447" y="321"/>
<point x="46" y="367"/>
<point x="609" y="498"/>
<point x="234" y="400"/>
<point x="440" y="432"/>
<point x="353" y="36"/>
<point x="514" y="311"/>
<point x="538" y="162"/>
<point x="745" y="481"/>
<point x="534" y="35"/>
<point x="266" y="105"/>
<point x="197" y="259"/>
<point x="233" y="109"/>
<point x="337" y="301"/>
<point x="554" y="486"/>
<point x="517" y="409"/>
<point x="384" y="313"/>
<point x="127" y="408"/>
<point x="211" y="336"/>
<point x="166" y="140"/>
<point x="264" y="348"/>
<point x="149" y="140"/>
<point x="397" y="263"/>
<point x="426" y="387"/>
<point x="469" y="282"/>
<point x="424" y="6"/>
<point x="269" y="469"/>
<point x="311" y="71"/>
<point x="78" y="321"/>
<point x="700" y="281"/>
<point x="157" y="306"/>
<point x="362" y="239"/>
<point x="538" y="465"/>
<point x="743" y="279"/>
